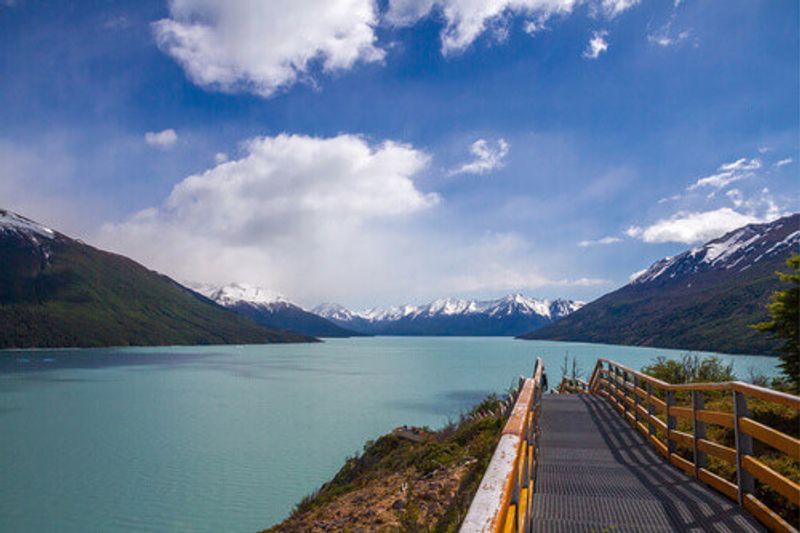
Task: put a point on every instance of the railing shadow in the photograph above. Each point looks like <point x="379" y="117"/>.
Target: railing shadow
<point x="664" y="482"/>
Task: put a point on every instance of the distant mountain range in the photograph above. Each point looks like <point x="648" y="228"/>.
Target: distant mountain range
<point x="508" y="316"/>
<point x="271" y="309"/>
<point x="702" y="299"/>
<point x="60" y="292"/>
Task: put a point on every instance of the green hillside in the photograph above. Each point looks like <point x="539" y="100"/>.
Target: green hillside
<point x="59" y="292"/>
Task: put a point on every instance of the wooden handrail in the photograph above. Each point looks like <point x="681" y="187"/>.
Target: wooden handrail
<point x="504" y="497"/>
<point x="614" y="384"/>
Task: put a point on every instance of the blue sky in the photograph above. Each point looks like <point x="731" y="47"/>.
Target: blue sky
<point x="399" y="151"/>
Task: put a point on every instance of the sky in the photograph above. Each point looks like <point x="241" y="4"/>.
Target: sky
<point x="378" y="152"/>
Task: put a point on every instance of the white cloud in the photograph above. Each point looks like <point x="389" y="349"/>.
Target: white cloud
<point x="728" y="173"/>
<point x="301" y="214"/>
<point x="735" y="196"/>
<point x="605" y="240"/>
<point x="664" y="38"/>
<point x="691" y="227"/>
<point x="220" y="157"/>
<point x="161" y="139"/>
<point x="597" y="45"/>
<point x="288" y="183"/>
<point x="261" y="47"/>
<point x="487" y="157"/>
<point x="783" y="162"/>
<point x="327" y="219"/>
<point x="636" y="274"/>
<point x="466" y="20"/>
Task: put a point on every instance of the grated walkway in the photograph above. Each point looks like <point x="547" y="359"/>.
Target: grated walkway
<point x="596" y="473"/>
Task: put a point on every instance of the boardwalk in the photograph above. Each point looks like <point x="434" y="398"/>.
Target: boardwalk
<point x="597" y="474"/>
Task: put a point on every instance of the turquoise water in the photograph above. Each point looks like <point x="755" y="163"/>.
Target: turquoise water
<point x="229" y="438"/>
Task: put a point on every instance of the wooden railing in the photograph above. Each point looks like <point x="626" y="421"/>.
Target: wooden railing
<point x="573" y="386"/>
<point x="504" y="497"/>
<point x="650" y="406"/>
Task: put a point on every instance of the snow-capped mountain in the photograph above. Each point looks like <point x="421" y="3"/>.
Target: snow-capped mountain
<point x="510" y="315"/>
<point x="736" y="251"/>
<point x="270" y="308"/>
<point x="23" y="227"/>
<point x="705" y="298"/>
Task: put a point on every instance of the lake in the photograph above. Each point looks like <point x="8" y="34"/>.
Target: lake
<point x="229" y="438"/>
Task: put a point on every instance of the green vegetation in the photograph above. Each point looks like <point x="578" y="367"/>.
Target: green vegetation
<point x="784" y="323"/>
<point x="65" y="293"/>
<point x="692" y="369"/>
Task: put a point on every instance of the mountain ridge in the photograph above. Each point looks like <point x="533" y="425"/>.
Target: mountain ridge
<point x="506" y="316"/>
<point x="56" y="291"/>
<point x="702" y="299"/>
<point x="272" y="309"/>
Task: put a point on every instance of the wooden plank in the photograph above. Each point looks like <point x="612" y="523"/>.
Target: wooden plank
<point x="683" y="438"/>
<point x="510" y="520"/>
<point x="772" y="437"/>
<point x="767" y="516"/>
<point x="658" y="423"/>
<point x="722" y="485"/>
<point x="717" y="450"/>
<point x="660" y="405"/>
<point x="659" y="446"/>
<point x="783" y="485"/>
<point x="716" y="417"/>
<point x="768" y="395"/>
<point x="522" y="517"/>
<point x="518" y="417"/>
<point x="681" y="412"/>
<point x="683" y="464"/>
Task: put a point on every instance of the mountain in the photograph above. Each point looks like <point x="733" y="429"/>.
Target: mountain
<point x="702" y="299"/>
<point x="60" y="292"/>
<point x="272" y="310"/>
<point x="508" y="316"/>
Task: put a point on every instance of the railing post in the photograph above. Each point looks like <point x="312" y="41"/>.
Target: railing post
<point x="651" y="428"/>
<point x="744" y="446"/>
<point x="625" y="393"/>
<point x="699" y="432"/>
<point x="636" y="401"/>
<point x="670" y="422"/>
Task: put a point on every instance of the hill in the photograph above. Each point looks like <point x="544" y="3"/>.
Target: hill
<point x="703" y="299"/>
<point x="60" y="292"/>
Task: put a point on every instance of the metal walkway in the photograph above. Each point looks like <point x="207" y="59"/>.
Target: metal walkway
<point x="596" y="473"/>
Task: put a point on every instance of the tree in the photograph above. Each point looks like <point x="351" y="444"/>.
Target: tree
<point x="784" y="310"/>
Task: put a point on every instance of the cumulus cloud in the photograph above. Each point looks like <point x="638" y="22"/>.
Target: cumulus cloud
<point x="325" y="219"/>
<point x="302" y="214"/>
<point x="286" y="184"/>
<point x="486" y="157"/>
<point x="692" y="227"/>
<point x="728" y="173"/>
<point x="161" y="139"/>
<point x="597" y="45"/>
<point x="220" y="157"/>
<point x="261" y="47"/>
<point x="605" y="240"/>
<point x="466" y="20"/>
